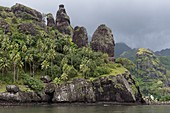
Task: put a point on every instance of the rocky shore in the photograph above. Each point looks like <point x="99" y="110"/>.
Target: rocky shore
<point x="112" y="89"/>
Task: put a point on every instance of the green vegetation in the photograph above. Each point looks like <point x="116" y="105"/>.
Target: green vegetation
<point x="165" y="60"/>
<point x="24" y="57"/>
<point x="33" y="83"/>
<point x="143" y="51"/>
<point x="150" y="72"/>
<point x="130" y="54"/>
<point x="121" y="48"/>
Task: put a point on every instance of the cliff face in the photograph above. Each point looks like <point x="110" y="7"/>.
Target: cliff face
<point x="120" y="88"/>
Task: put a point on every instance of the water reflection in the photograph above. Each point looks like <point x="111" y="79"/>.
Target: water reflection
<point x="86" y="109"/>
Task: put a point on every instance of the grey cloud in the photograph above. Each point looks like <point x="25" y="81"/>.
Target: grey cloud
<point x="139" y="23"/>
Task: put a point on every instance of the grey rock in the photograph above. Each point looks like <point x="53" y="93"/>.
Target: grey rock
<point x="50" y="20"/>
<point x="22" y="97"/>
<point x="26" y="13"/>
<point x="28" y="28"/>
<point x="79" y="90"/>
<point x="12" y="88"/>
<point x="103" y="40"/>
<point x="63" y="21"/>
<point x="80" y="37"/>
<point x="120" y="88"/>
<point x="45" y="79"/>
<point x="50" y="88"/>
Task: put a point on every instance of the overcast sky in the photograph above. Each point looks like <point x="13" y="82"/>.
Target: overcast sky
<point x="138" y="23"/>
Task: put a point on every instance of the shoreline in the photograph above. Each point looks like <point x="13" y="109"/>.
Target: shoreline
<point x="67" y="104"/>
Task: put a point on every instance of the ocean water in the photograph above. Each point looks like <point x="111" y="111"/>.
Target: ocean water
<point x="86" y="109"/>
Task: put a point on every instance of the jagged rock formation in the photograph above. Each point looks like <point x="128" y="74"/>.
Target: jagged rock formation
<point x="80" y="37"/>
<point x="103" y="41"/>
<point x="50" y="20"/>
<point x="25" y="12"/>
<point x="120" y="88"/>
<point x="63" y="21"/>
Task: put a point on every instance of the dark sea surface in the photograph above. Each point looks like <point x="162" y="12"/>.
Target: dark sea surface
<point x="87" y="109"/>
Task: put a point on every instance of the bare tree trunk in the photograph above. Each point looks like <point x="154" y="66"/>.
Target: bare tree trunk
<point x="30" y="67"/>
<point x="17" y="73"/>
<point x="51" y="67"/>
<point x="25" y="65"/>
<point x="33" y="71"/>
<point x="14" y="72"/>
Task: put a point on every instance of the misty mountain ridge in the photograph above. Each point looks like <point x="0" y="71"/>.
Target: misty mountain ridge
<point x="122" y="50"/>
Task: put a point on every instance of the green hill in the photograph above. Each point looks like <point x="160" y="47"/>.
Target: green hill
<point x="150" y="71"/>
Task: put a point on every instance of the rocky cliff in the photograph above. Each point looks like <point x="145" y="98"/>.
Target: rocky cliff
<point x="120" y="88"/>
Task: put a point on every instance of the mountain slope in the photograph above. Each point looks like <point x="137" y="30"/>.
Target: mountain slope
<point x="164" y="52"/>
<point x="120" y="48"/>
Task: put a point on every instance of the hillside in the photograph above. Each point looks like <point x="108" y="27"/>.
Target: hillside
<point x="29" y="46"/>
<point x="150" y="71"/>
<point x="164" y="52"/>
<point x="46" y="62"/>
<point x="121" y="48"/>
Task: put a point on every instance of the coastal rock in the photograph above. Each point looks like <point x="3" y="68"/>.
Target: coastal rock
<point x="20" y="97"/>
<point x="50" y="20"/>
<point x="120" y="88"/>
<point x="26" y="13"/>
<point x="80" y="37"/>
<point x="49" y="88"/>
<point x="63" y="21"/>
<point x="79" y="90"/>
<point x="102" y="40"/>
<point x="12" y="88"/>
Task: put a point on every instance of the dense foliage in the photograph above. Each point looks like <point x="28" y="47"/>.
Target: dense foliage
<point x="56" y="57"/>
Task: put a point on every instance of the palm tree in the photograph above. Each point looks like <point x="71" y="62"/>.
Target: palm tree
<point x="4" y="64"/>
<point x="29" y="59"/>
<point x="51" y="56"/>
<point x="45" y="65"/>
<point x="19" y="66"/>
<point x="15" y="58"/>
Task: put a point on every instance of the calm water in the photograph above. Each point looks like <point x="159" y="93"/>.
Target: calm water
<point x="87" y="109"/>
